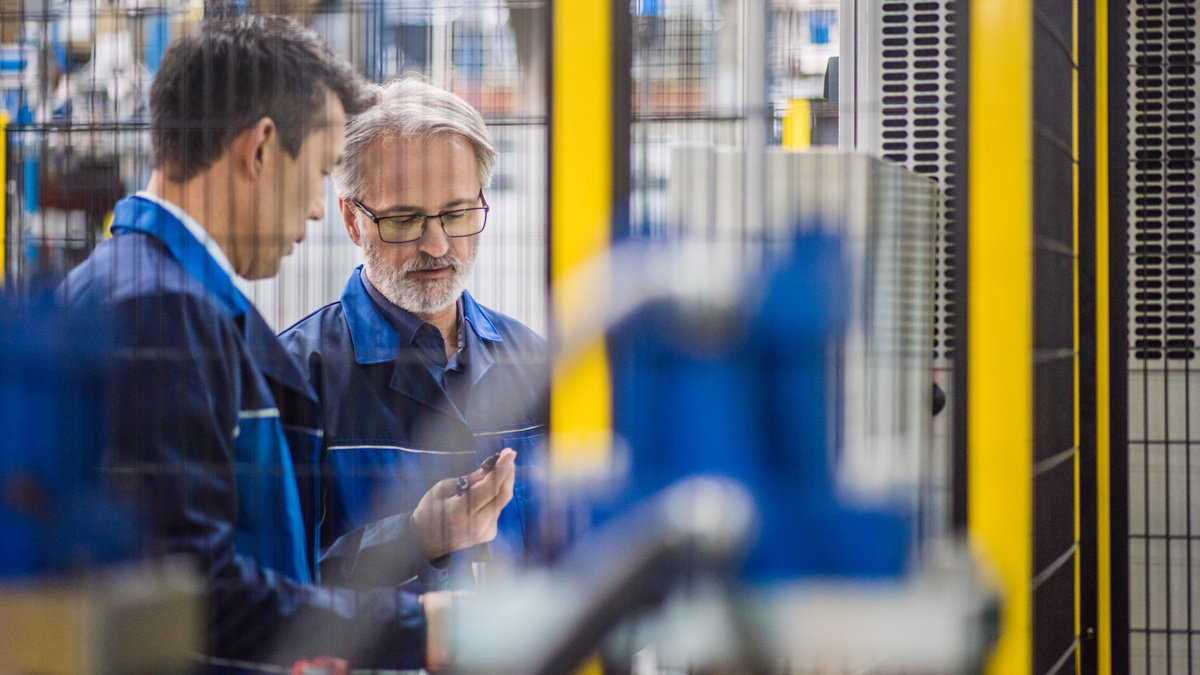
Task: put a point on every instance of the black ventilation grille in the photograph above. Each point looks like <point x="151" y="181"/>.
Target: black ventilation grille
<point x="916" y="126"/>
<point x="1162" y="180"/>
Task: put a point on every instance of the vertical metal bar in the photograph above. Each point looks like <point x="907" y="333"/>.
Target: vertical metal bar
<point x="1093" y="329"/>
<point x="848" y="75"/>
<point x="1102" y="542"/>
<point x="622" y="117"/>
<point x="1115" y="28"/>
<point x="758" y="115"/>
<point x="959" y="467"/>
<point x="999" y="405"/>
<point x="581" y="200"/>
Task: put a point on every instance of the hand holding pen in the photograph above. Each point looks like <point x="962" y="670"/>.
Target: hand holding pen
<point x="461" y="512"/>
<point x="464" y="482"/>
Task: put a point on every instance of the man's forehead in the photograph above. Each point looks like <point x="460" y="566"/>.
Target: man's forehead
<point x="398" y="145"/>
<point x="436" y="157"/>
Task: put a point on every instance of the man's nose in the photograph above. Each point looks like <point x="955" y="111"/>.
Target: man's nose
<point x="433" y="240"/>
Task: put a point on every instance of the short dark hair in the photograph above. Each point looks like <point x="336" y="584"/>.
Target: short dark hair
<point x="221" y="80"/>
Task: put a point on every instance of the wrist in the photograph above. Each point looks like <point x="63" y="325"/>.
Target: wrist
<point x="427" y="539"/>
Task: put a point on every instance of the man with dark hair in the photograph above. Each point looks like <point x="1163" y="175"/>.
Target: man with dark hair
<point x="215" y="432"/>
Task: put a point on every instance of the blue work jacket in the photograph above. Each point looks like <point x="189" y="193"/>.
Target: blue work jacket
<point x="215" y="436"/>
<point x="391" y="430"/>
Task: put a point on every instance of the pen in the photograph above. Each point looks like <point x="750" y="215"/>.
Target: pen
<point x="464" y="483"/>
<point x="490" y="463"/>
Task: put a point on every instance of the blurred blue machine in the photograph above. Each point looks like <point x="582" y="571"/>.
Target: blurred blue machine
<point x="729" y="542"/>
<point x="55" y="514"/>
<point x="74" y="596"/>
<point x="744" y="393"/>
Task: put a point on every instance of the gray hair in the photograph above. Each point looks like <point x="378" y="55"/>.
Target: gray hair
<point x="411" y="109"/>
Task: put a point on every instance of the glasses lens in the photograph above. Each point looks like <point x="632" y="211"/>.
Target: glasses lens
<point x="400" y="230"/>
<point x="464" y="222"/>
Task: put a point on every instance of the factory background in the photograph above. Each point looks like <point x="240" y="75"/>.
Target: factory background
<point x="1044" y="224"/>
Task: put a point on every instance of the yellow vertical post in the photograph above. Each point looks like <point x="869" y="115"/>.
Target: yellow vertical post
<point x="1076" y="329"/>
<point x="581" y="187"/>
<point x="581" y="194"/>
<point x="1103" y="352"/>
<point x="797" y="125"/>
<point x="1000" y="312"/>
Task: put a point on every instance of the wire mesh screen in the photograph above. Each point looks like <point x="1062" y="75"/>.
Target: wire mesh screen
<point x="712" y="105"/>
<point x="723" y="74"/>
<point x="716" y="85"/>
<point x="76" y="83"/>
<point x="76" y="98"/>
<point x="1164" y="567"/>
<point x="472" y="49"/>
<point x="216" y="435"/>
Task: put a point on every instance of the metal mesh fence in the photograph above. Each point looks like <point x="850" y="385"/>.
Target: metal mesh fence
<point x="1162" y="178"/>
<point x="718" y="79"/>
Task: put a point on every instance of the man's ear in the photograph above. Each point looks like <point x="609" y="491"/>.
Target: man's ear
<point x="350" y="220"/>
<point x="254" y="148"/>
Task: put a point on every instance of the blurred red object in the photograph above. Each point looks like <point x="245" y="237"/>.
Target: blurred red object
<point x="322" y="665"/>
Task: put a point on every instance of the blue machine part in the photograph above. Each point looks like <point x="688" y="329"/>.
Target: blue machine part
<point x="32" y="185"/>
<point x="648" y="7"/>
<point x="54" y="510"/>
<point x="746" y="396"/>
<point x="158" y="36"/>
<point x="820" y="24"/>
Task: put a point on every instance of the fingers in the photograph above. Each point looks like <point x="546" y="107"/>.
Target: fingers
<point x="506" y="458"/>
<point x="444" y="489"/>
<point x="490" y="512"/>
<point x="486" y="485"/>
<point x="489" y="505"/>
<point x="463" y="511"/>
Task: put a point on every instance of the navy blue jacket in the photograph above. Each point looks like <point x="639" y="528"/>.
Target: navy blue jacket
<point x="391" y="430"/>
<point x="216" y="436"/>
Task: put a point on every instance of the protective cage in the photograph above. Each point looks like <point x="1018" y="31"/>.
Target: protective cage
<point x="723" y="80"/>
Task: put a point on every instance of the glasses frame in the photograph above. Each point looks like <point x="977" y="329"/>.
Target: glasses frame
<point x="425" y="220"/>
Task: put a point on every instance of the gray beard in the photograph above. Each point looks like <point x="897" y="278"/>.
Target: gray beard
<point x="421" y="297"/>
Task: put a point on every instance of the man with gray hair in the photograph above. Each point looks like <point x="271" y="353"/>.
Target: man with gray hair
<point x="421" y="386"/>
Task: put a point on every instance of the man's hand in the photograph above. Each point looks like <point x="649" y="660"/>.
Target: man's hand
<point x="449" y="519"/>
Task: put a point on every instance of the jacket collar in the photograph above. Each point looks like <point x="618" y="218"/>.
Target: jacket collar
<point x="136" y="214"/>
<point x="376" y="340"/>
<point x="271" y="358"/>
<point x="475" y="316"/>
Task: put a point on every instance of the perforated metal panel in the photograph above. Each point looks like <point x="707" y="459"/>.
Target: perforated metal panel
<point x="1163" y="180"/>
<point x="903" y="112"/>
<point x="897" y="103"/>
<point x="1164" y="391"/>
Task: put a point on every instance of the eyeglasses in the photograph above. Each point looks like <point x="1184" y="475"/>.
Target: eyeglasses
<point x="410" y="226"/>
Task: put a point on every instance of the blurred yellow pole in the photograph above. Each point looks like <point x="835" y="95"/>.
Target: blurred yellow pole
<point x="581" y="179"/>
<point x="1000" y="313"/>
<point x="797" y="125"/>
<point x="1104" y="600"/>
<point x="581" y="193"/>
